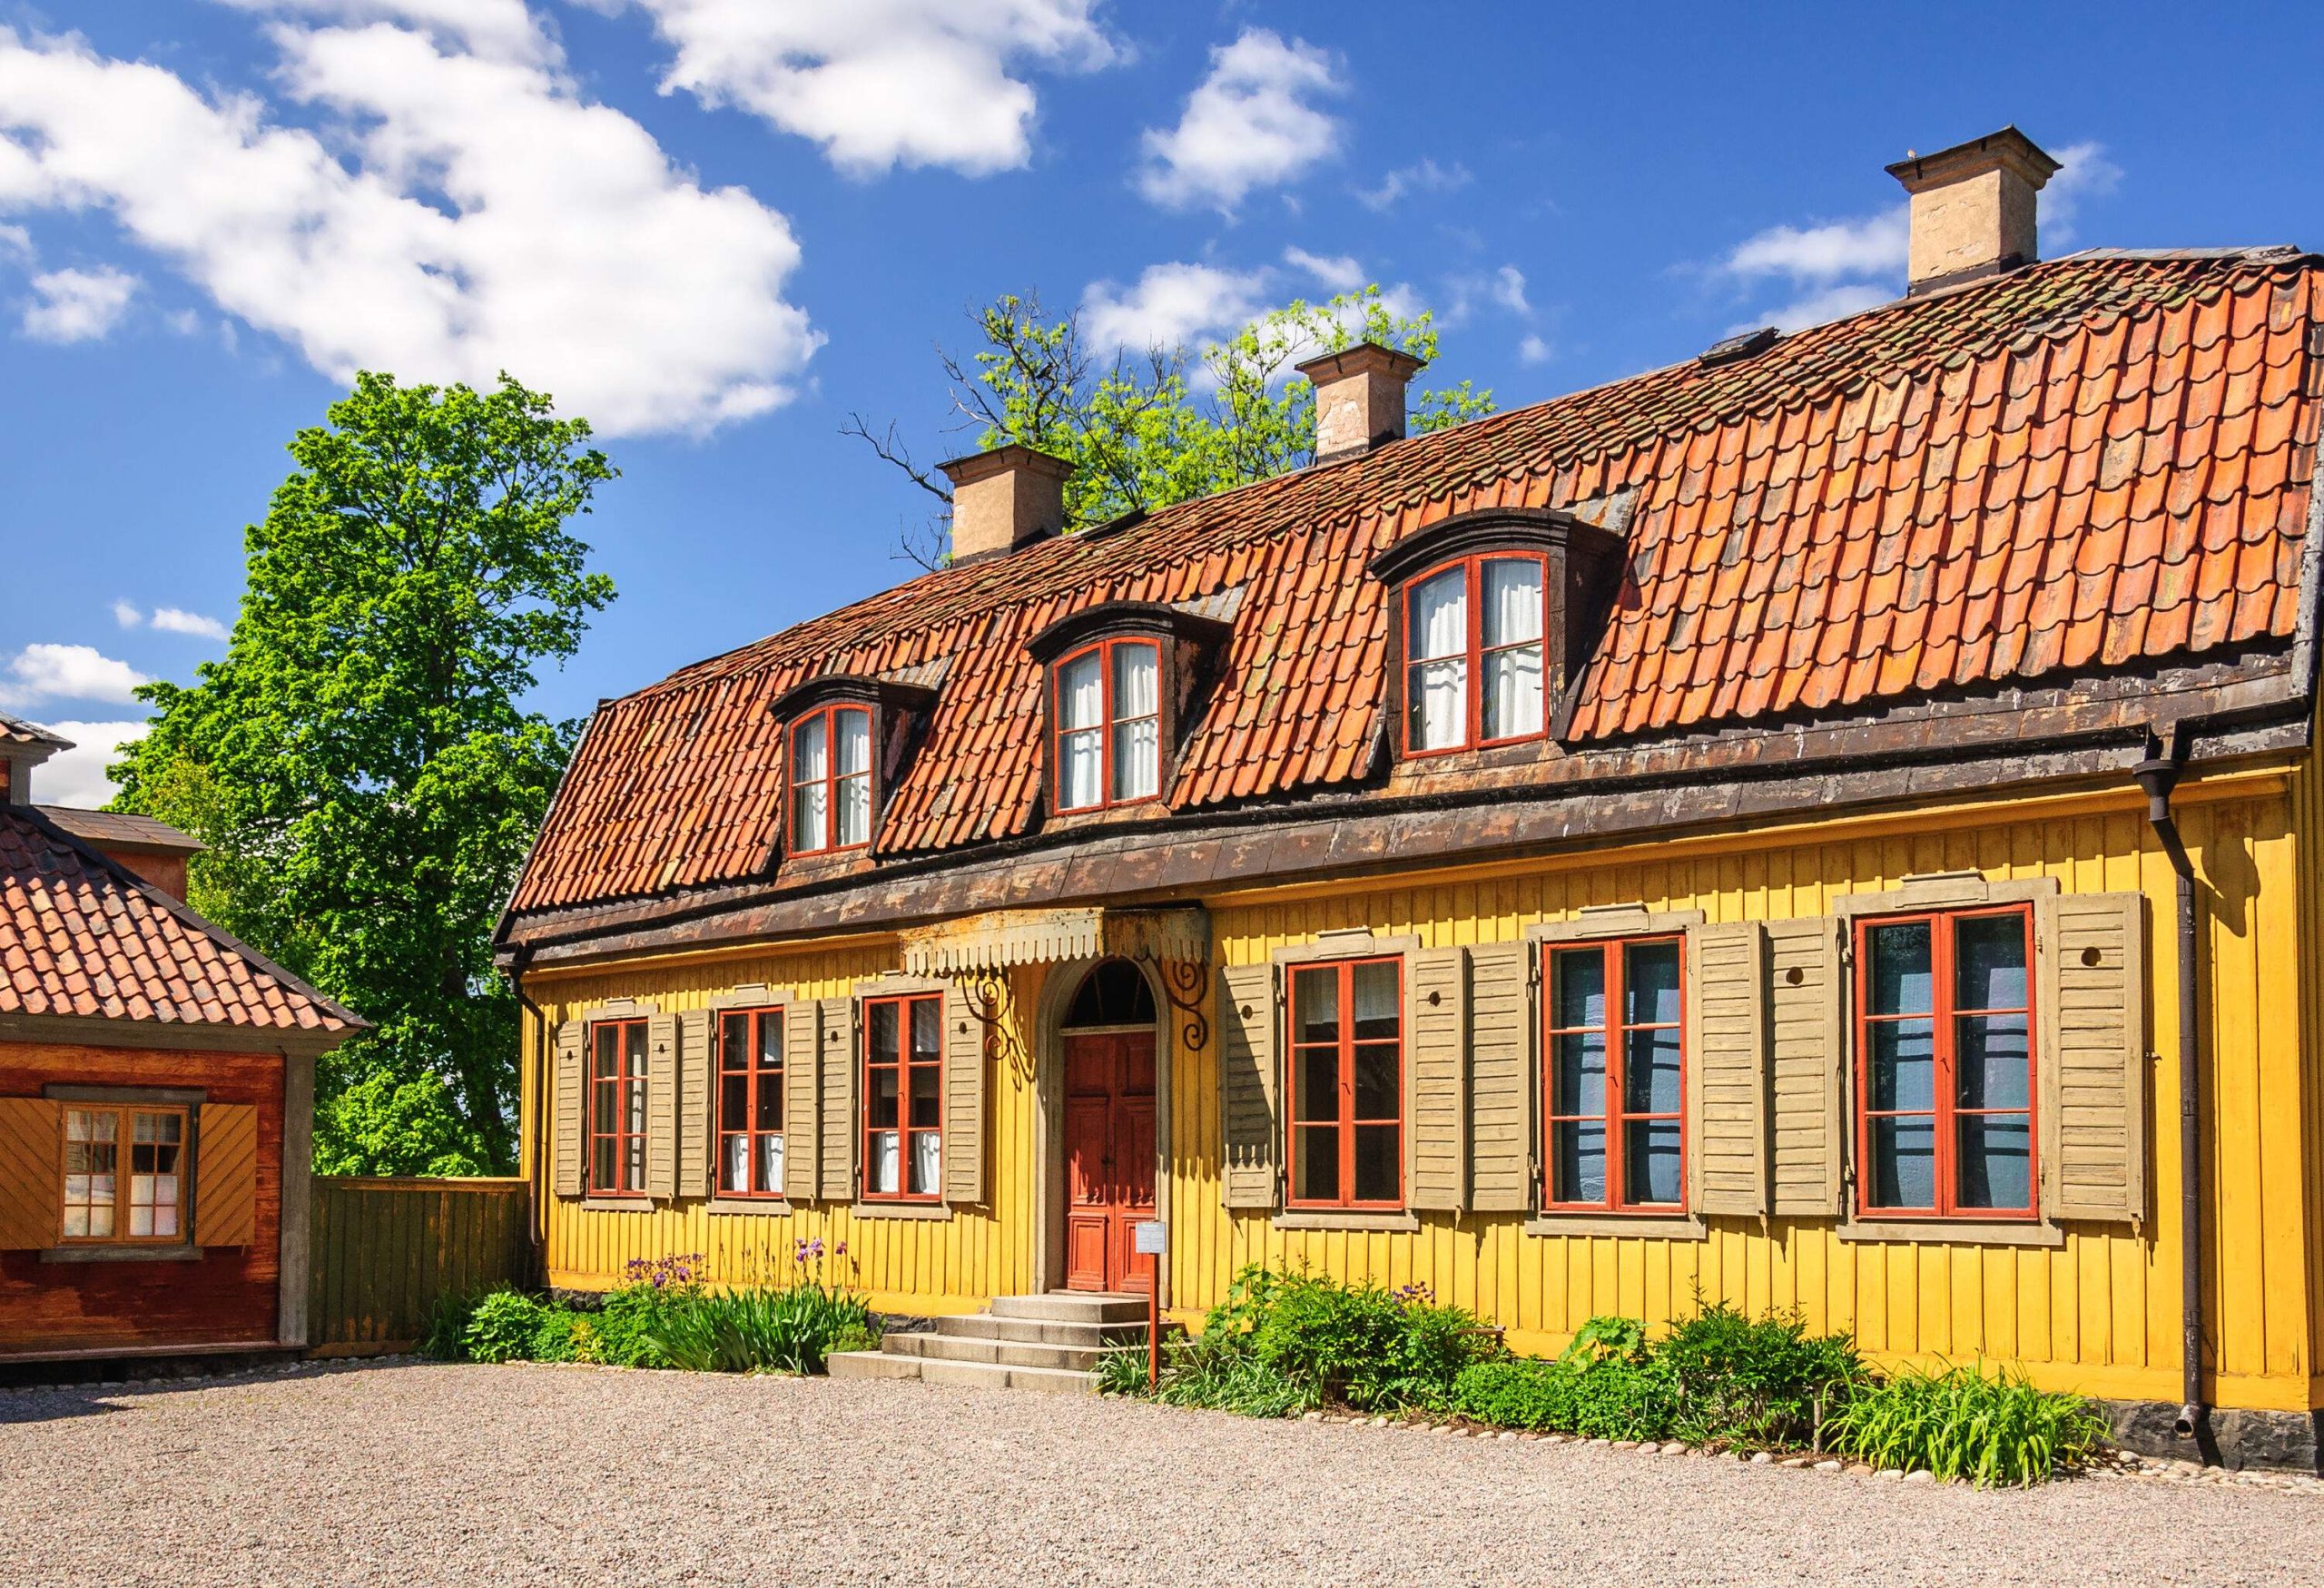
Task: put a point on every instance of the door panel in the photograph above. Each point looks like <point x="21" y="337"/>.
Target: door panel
<point x="1109" y="1145"/>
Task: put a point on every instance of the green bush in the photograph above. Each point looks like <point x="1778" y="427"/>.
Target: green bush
<point x="1960" y="1423"/>
<point x="444" y="1335"/>
<point x="856" y="1336"/>
<point x="503" y="1327"/>
<point x="563" y="1336"/>
<point x="1754" y="1382"/>
<point x="626" y="1324"/>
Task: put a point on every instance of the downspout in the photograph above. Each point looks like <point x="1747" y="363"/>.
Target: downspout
<point x="538" y="1216"/>
<point x="2158" y="774"/>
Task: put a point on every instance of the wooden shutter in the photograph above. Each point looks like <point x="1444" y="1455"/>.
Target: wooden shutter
<point x="662" y="1106"/>
<point x="1727" y="1072"/>
<point x="801" y="1100"/>
<point x="838" y="1065"/>
<point x="572" y="1040"/>
<point x="226" y="1176"/>
<point x="2092" y="1057"/>
<point x="1501" y="1078"/>
<point x="963" y="1098"/>
<point x="1437" y="1092"/>
<point x="31" y="1176"/>
<point x="1808" y="1054"/>
<point x="695" y="1101"/>
<point x="1249" y="1085"/>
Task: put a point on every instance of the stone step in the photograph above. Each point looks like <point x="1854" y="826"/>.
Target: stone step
<point x="1072" y="1306"/>
<point x="1007" y="1353"/>
<point x="957" y="1374"/>
<point x="1033" y="1331"/>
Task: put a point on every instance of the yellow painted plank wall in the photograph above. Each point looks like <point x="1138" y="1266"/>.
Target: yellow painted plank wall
<point x="2306" y="802"/>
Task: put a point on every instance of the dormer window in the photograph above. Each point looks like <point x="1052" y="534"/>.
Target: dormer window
<point x="1110" y="724"/>
<point x="1492" y="616"/>
<point x="831" y="780"/>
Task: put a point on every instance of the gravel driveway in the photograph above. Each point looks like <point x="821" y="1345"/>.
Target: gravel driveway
<point x="404" y="1475"/>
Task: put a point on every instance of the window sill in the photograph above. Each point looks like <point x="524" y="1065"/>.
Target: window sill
<point x="122" y="1254"/>
<point x="1404" y="1223"/>
<point x="601" y="1204"/>
<point x="1952" y="1232"/>
<point x="764" y="1206"/>
<point x="1644" y="1226"/>
<point x="933" y="1212"/>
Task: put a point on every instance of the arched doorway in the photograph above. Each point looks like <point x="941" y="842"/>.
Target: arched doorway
<point x="1107" y="1034"/>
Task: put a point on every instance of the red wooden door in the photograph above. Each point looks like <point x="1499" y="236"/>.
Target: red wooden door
<point x="1108" y="1158"/>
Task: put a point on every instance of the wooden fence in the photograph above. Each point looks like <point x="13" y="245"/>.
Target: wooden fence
<point x="385" y="1250"/>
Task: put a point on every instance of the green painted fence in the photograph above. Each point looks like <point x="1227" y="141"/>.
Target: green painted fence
<point x="385" y="1250"/>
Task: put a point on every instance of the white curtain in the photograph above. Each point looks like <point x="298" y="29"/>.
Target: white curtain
<point x="1081" y="707"/>
<point x="1376" y="994"/>
<point x="1137" y="743"/>
<point x="927" y="1160"/>
<point x="1438" y="643"/>
<point x="811" y="763"/>
<point x="737" y="1177"/>
<point x="1512" y="619"/>
<point x="855" y="809"/>
<point x="770" y="1163"/>
<point x="883" y="1178"/>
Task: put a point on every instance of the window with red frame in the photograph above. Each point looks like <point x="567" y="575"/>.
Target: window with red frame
<point x="617" y="1106"/>
<point x="100" y="1202"/>
<point x="1616" y="1085"/>
<point x="1472" y="654"/>
<point x="831" y="780"/>
<point x="750" y="1102"/>
<point x="903" y="1097"/>
<point x="1944" y="1055"/>
<point x="1110" y="724"/>
<point x="1347" y="1084"/>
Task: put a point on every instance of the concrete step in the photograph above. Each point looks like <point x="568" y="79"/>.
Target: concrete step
<point x="1033" y="1331"/>
<point x="957" y="1374"/>
<point x="871" y="1365"/>
<point x="1072" y="1306"/>
<point x="1007" y="1353"/>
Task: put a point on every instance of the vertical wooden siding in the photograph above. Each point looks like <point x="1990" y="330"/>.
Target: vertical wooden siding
<point x="385" y="1250"/>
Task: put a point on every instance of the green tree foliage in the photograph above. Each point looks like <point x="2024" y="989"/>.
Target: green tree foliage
<point x="359" y="763"/>
<point x="1144" y="431"/>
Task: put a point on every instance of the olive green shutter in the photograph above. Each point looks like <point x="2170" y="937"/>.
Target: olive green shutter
<point x="1249" y="1085"/>
<point x="1725" y="1075"/>
<point x="801" y="1100"/>
<point x="838" y="1066"/>
<point x="225" y="1175"/>
<point x="32" y="1178"/>
<point x="963" y="1098"/>
<point x="2092" y="1057"/>
<point x="1501" y="1078"/>
<point x="1437" y="1091"/>
<point x="572" y="1038"/>
<point x="662" y="1106"/>
<point x="696" y="1129"/>
<point x="1807" y="1056"/>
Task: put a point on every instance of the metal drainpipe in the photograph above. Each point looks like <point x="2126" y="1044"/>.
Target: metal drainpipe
<point x="2158" y="774"/>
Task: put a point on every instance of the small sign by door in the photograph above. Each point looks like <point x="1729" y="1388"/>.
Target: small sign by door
<point x="1148" y="1235"/>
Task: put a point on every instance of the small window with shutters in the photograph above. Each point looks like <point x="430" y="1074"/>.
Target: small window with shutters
<point x="616" y="1107"/>
<point x="1614" y="1080"/>
<point x="125" y="1179"/>
<point x="750" y="1114"/>
<point x="903" y="1097"/>
<point x="1346" y="1051"/>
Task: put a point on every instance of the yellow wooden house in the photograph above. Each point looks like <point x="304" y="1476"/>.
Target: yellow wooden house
<point x="1833" y="824"/>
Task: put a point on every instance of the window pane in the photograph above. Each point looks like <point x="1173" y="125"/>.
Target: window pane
<point x="1512" y="600"/>
<point x="927" y="1162"/>
<point x="809" y="802"/>
<point x="634" y="1113"/>
<point x="735" y="1041"/>
<point x="854" y="742"/>
<point x="1377" y="1018"/>
<point x="1137" y="760"/>
<point x="1379" y="1083"/>
<point x="634" y="1164"/>
<point x="1650" y="991"/>
<point x="925" y="1101"/>
<point x="1651" y="1161"/>
<point x="881" y="1103"/>
<point x="1904" y="1064"/>
<point x="770" y="1039"/>
<point x="1513" y="701"/>
<point x="733" y="1174"/>
<point x="1901" y="979"/>
<point x="854" y="810"/>
<point x="809" y="748"/>
<point x="1580" y="994"/>
<point x="1319" y="1084"/>
<point x="1989" y="962"/>
<point x="882" y="1040"/>
<point x="771" y="1164"/>
<point x="1650" y="1072"/>
<point x="1996" y="1166"/>
<point x="1578" y="1161"/>
<point x="1079" y="780"/>
<point x="1319" y="1163"/>
<point x="1439" y="704"/>
<point x="1081" y="692"/>
<point x="1315" y="994"/>
<point x="1439" y="612"/>
<point x="1992" y="1061"/>
<point x="770" y="1110"/>
<point x="633" y="1042"/>
<point x="1904" y="1163"/>
<point x="605" y="1108"/>
<point x="734" y="1102"/>
<point x="880" y="1174"/>
<point x="606" y="1049"/>
<point x="600" y="1172"/>
<point x="100" y="1214"/>
<point x="1378" y="1178"/>
<point x="927" y="1028"/>
<point x="1578" y="1078"/>
<point x="1137" y="682"/>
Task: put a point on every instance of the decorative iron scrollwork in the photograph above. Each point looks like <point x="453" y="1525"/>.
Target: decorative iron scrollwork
<point x="1184" y="982"/>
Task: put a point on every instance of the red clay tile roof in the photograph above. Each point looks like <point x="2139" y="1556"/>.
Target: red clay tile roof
<point x="80" y="936"/>
<point x="16" y="731"/>
<point x="2092" y="463"/>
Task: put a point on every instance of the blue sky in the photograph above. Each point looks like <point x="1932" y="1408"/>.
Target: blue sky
<point x="719" y="227"/>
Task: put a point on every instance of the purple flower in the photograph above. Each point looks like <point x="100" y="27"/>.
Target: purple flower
<point x="839" y="1250"/>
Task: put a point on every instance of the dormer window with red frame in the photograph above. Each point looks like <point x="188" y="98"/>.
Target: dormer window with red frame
<point x="831" y="780"/>
<point x="1110" y="724"/>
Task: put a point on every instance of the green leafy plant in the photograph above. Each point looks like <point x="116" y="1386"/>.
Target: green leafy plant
<point x="1960" y="1423"/>
<point x="443" y="1338"/>
<point x="1121" y="1372"/>
<point x="856" y="1336"/>
<point x="503" y="1327"/>
<point x="1757" y="1383"/>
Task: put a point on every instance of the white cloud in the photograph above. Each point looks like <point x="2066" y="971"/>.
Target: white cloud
<point x="1533" y="349"/>
<point x="1337" y="272"/>
<point x="1170" y="305"/>
<point x="77" y="776"/>
<point x="1424" y="176"/>
<point x="1508" y="290"/>
<point x="1815" y="308"/>
<point x="16" y="243"/>
<point x="1873" y="245"/>
<point x="460" y="214"/>
<point x="881" y="83"/>
<point x="501" y="29"/>
<point x="54" y="672"/>
<point x="175" y="620"/>
<point x="78" y="306"/>
<point x="2085" y="173"/>
<point x="127" y="614"/>
<point x="1247" y="125"/>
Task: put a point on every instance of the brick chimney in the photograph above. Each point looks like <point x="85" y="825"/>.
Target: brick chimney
<point x="1973" y="208"/>
<point x="1359" y="398"/>
<point x="1003" y="499"/>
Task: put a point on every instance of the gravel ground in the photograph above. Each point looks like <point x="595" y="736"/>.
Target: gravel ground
<point x="409" y="1474"/>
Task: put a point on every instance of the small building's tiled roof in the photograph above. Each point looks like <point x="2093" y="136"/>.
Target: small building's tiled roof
<point x="81" y="937"/>
<point x="16" y="731"/>
<point x="2099" y="462"/>
<point x="118" y="830"/>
